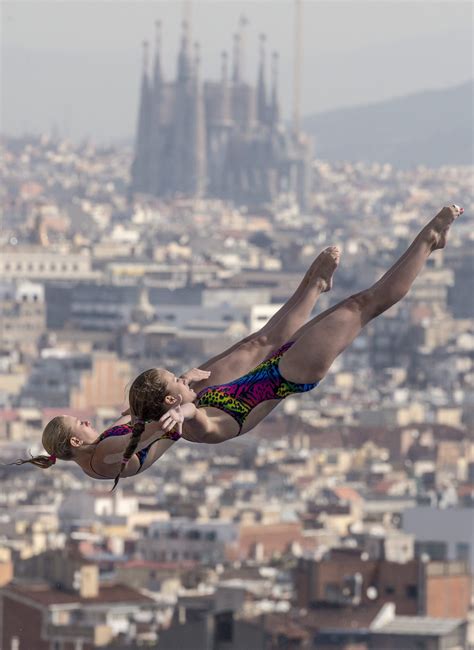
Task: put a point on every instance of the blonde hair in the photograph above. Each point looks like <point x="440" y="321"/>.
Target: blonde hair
<point x="146" y="398"/>
<point x="55" y="440"/>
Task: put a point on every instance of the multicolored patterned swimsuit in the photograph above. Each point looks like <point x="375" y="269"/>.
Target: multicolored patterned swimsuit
<point x="265" y="382"/>
<point x="123" y="430"/>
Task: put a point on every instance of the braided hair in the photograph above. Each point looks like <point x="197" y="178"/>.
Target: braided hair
<point x="55" y="440"/>
<point x="146" y="398"/>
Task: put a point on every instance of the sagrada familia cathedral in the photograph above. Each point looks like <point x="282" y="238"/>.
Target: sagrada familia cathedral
<point x="222" y="139"/>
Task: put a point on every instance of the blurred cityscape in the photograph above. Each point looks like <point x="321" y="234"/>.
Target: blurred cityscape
<point x="346" y="518"/>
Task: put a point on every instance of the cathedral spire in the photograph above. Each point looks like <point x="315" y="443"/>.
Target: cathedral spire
<point x="239" y="52"/>
<point x="157" y="78"/>
<point x="197" y="60"/>
<point x="140" y="166"/>
<point x="262" y="112"/>
<point x="275" y="105"/>
<point x="224" y="67"/>
<point x="156" y="171"/>
<point x="225" y="110"/>
<point x="243" y="22"/>
<point x="146" y="52"/>
<point x="236" y="60"/>
<point x="198" y="134"/>
<point x="184" y="59"/>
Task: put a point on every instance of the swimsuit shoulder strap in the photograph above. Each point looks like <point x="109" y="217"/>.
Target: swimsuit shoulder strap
<point x="119" y="430"/>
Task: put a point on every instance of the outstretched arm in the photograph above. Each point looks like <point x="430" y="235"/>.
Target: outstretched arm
<point x="195" y="374"/>
<point x="195" y="425"/>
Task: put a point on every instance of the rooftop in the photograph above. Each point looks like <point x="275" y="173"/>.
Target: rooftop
<point x="43" y="594"/>
<point x="421" y="625"/>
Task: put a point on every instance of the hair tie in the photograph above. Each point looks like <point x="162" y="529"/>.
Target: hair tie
<point x="52" y="458"/>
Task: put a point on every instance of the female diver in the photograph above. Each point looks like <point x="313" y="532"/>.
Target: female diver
<point x="100" y="456"/>
<point x="230" y="408"/>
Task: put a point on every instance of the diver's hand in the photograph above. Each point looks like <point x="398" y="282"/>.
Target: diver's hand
<point x="195" y="374"/>
<point x="175" y="416"/>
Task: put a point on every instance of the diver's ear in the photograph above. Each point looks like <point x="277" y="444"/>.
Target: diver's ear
<point x="76" y="442"/>
<point x="170" y="400"/>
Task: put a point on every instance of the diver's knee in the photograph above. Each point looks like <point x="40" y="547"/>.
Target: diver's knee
<point x="360" y="301"/>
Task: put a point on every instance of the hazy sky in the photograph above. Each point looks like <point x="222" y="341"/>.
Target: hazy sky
<point x="78" y="64"/>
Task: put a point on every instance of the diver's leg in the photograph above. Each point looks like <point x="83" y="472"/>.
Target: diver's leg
<point x="321" y="340"/>
<point x="253" y="349"/>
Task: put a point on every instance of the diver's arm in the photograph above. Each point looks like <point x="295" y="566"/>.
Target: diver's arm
<point x="198" y="425"/>
<point x="208" y="429"/>
<point x="194" y="375"/>
<point x="109" y="453"/>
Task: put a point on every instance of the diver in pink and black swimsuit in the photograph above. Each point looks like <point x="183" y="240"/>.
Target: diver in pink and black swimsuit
<point x="142" y="454"/>
<point x="231" y="407"/>
<point x="297" y="357"/>
<point x="265" y="382"/>
<point x="68" y="438"/>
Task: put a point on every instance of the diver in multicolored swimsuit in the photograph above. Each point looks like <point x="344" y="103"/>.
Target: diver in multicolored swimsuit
<point x="101" y="456"/>
<point x="231" y="408"/>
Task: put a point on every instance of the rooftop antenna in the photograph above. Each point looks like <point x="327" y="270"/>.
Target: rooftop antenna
<point x="297" y="60"/>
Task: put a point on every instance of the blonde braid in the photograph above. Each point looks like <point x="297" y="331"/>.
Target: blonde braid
<point x="138" y="429"/>
<point x="56" y="441"/>
<point x="44" y="462"/>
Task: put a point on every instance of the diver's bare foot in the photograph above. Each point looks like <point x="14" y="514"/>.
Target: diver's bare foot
<point x="437" y="229"/>
<point x="324" y="266"/>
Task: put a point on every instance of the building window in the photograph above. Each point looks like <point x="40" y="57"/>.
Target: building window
<point x="224" y="630"/>
<point x="411" y="591"/>
<point x="193" y="534"/>
<point x="389" y="590"/>
<point x="463" y="551"/>
<point x="438" y="551"/>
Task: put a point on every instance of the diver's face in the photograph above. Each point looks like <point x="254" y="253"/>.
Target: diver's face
<point x="80" y="429"/>
<point x="177" y="386"/>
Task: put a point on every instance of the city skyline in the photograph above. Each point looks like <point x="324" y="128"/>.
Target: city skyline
<point x="358" y="52"/>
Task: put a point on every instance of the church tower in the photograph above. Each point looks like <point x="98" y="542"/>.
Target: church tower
<point x="197" y="141"/>
<point x="262" y="110"/>
<point x="156" y="135"/>
<point x="141" y="163"/>
<point x="274" y="109"/>
<point x="182" y="118"/>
